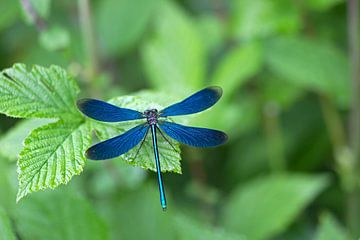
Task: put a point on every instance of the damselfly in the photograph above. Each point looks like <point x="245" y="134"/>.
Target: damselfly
<point x="156" y="121"/>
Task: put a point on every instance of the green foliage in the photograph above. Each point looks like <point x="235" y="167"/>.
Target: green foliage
<point x="330" y="229"/>
<point x="7" y="174"/>
<point x="54" y="38"/>
<point x="123" y="176"/>
<point x="52" y="155"/>
<point x="322" y="5"/>
<point x="121" y="24"/>
<point x="281" y="92"/>
<point x="189" y="228"/>
<point x="40" y="7"/>
<point x="212" y="32"/>
<point x="6" y="232"/>
<point x="136" y="215"/>
<point x="237" y="67"/>
<point x="174" y="58"/>
<point x="12" y="141"/>
<point x="11" y="13"/>
<point x="273" y="59"/>
<point x="265" y="207"/>
<point x="59" y="215"/>
<point x="42" y="92"/>
<point x="131" y="213"/>
<point x="312" y="65"/>
<point x="259" y="18"/>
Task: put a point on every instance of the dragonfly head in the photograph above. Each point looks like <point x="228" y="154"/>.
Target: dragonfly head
<point x="151" y="116"/>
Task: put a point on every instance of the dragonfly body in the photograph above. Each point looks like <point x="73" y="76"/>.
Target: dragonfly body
<point x="158" y="168"/>
<point x="152" y="119"/>
<point x="156" y="121"/>
<point x="151" y="116"/>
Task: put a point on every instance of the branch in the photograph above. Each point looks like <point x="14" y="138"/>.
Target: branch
<point x="38" y="21"/>
<point x="354" y="124"/>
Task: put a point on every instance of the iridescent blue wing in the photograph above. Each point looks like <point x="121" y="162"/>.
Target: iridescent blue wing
<point x="105" y="112"/>
<point x="119" y="145"/>
<point x="195" y="103"/>
<point x="193" y="136"/>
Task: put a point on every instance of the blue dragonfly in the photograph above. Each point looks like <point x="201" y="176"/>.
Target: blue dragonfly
<point x="156" y="121"/>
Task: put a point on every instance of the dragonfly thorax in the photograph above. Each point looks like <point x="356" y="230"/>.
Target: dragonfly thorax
<point x="151" y="116"/>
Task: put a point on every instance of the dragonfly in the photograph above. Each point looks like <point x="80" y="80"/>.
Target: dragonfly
<point x="156" y="122"/>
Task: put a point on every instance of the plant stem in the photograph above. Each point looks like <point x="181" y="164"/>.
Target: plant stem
<point x="89" y="43"/>
<point x="354" y="124"/>
<point x="274" y="137"/>
<point x="199" y="178"/>
<point x="334" y="125"/>
<point x="353" y="31"/>
<point x="345" y="162"/>
<point x="37" y="20"/>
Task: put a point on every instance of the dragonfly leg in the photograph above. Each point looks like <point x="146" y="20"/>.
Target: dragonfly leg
<point x="167" y="140"/>
<point x="141" y="144"/>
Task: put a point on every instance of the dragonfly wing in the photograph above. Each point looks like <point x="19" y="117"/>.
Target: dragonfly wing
<point x="195" y="103"/>
<point x="119" y="145"/>
<point x="193" y="136"/>
<point x="103" y="111"/>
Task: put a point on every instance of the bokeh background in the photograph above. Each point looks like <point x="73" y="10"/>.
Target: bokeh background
<point x="289" y="169"/>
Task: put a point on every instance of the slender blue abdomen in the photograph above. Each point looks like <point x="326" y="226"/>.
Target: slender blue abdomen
<point x="158" y="168"/>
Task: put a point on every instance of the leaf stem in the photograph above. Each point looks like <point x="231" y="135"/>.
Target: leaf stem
<point x="354" y="124"/>
<point x="38" y="21"/>
<point x="274" y="137"/>
<point x="354" y="53"/>
<point x="200" y="178"/>
<point x="344" y="158"/>
<point x="89" y="43"/>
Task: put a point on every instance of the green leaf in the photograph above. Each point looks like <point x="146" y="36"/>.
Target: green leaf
<point x="244" y="111"/>
<point x="212" y="31"/>
<point x="52" y="155"/>
<point x="276" y="90"/>
<point x="138" y="215"/>
<point x="260" y="18"/>
<point x="54" y="38"/>
<point x="6" y="232"/>
<point x="121" y="23"/>
<point x="39" y="55"/>
<point x="169" y="158"/>
<point x="122" y="176"/>
<point x="322" y="5"/>
<point x="42" y="92"/>
<point x="40" y="7"/>
<point x="237" y="67"/>
<point x="174" y="59"/>
<point x="265" y="207"/>
<point x="58" y="215"/>
<point x="191" y="229"/>
<point x="12" y="142"/>
<point x="7" y="185"/>
<point x="10" y="15"/>
<point x="311" y="65"/>
<point x="161" y="97"/>
<point x="330" y="229"/>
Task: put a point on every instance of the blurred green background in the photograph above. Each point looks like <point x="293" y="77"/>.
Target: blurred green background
<point x="288" y="170"/>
